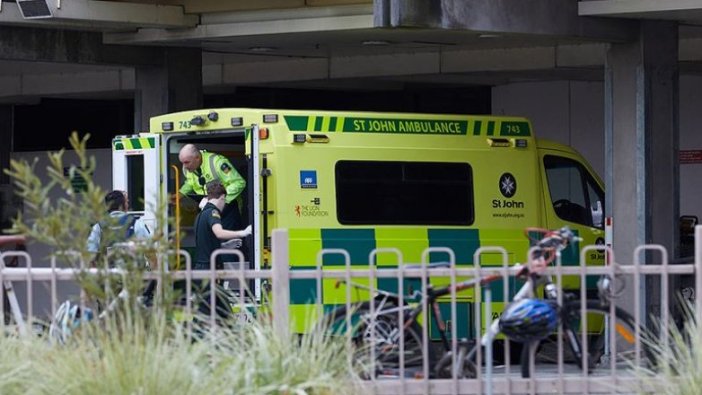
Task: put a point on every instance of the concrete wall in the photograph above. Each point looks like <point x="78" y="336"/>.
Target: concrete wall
<point x="569" y="112"/>
<point x="40" y="252"/>
<point x="572" y="112"/>
<point x="103" y="178"/>
<point x="690" y="139"/>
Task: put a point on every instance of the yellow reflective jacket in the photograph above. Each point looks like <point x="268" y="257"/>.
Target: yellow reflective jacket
<point x="213" y="166"/>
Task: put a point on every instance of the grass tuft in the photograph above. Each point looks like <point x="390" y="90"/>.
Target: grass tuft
<point x="130" y="354"/>
<point x="678" y="366"/>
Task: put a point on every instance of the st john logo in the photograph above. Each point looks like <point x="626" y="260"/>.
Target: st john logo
<point x="508" y="185"/>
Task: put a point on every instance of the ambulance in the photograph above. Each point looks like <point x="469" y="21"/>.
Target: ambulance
<point x="359" y="181"/>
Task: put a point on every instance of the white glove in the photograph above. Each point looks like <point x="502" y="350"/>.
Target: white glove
<point x="232" y="244"/>
<point x="246" y="231"/>
<point x="203" y="202"/>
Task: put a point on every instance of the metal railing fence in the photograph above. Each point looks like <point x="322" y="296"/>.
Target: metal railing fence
<point x="555" y="377"/>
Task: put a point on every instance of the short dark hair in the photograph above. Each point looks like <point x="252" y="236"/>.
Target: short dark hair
<point x="215" y="189"/>
<point x="115" y="200"/>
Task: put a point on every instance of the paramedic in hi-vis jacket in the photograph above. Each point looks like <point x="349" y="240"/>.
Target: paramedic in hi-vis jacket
<point x="200" y="167"/>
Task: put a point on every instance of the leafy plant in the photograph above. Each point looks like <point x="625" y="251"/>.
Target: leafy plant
<point x="63" y="223"/>
<point x="135" y="350"/>
<point x="678" y="359"/>
<point x="61" y="217"/>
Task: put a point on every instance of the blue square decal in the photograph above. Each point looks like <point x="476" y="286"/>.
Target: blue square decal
<point x="308" y="179"/>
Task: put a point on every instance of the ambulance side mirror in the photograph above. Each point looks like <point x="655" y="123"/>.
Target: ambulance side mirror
<point x="597" y="214"/>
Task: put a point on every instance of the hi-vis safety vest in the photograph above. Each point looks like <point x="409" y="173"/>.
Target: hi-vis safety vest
<point x="213" y="167"/>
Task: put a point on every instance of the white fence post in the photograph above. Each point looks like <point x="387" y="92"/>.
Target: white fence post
<point x="698" y="273"/>
<point x="280" y="279"/>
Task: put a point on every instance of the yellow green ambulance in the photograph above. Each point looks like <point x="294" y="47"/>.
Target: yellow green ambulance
<point x="359" y="181"/>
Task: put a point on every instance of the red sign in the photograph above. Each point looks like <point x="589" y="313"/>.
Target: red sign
<point x="690" y="156"/>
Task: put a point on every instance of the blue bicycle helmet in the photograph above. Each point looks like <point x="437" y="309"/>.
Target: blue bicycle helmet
<point x="529" y="320"/>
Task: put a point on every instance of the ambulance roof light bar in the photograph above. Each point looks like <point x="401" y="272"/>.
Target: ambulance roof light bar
<point x="197" y="120"/>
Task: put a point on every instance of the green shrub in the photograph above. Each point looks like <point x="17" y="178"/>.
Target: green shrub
<point x="255" y="357"/>
<point x="134" y="350"/>
<point x="124" y="354"/>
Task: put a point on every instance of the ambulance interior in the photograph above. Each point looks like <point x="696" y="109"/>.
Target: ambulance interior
<point x="231" y="145"/>
<point x="135" y="183"/>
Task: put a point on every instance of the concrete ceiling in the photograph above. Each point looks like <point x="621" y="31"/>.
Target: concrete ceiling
<point x="685" y="11"/>
<point x="331" y="43"/>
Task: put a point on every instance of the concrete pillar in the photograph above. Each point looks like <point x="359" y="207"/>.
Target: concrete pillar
<point x="660" y="41"/>
<point x="174" y="86"/>
<point x="539" y="17"/>
<point x="641" y="145"/>
<point x="6" y="127"/>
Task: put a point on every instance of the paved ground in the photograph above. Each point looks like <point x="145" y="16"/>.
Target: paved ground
<point x="570" y="379"/>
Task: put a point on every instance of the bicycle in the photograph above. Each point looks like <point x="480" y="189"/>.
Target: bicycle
<point x="13" y="319"/>
<point x="10" y="307"/>
<point x="121" y="261"/>
<point x="375" y="323"/>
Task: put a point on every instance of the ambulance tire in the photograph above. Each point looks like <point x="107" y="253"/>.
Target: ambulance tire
<point x="570" y="321"/>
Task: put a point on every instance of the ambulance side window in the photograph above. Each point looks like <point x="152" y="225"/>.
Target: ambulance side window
<point x="404" y="193"/>
<point x="135" y="182"/>
<point x="575" y="195"/>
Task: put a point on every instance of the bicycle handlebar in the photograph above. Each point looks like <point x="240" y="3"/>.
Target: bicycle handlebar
<point x="553" y="241"/>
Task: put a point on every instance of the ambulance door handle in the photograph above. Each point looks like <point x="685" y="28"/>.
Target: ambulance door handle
<point x="266" y="172"/>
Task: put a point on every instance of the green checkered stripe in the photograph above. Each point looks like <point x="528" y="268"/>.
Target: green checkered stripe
<point x="306" y="243"/>
<point x="474" y="127"/>
<point x="131" y="143"/>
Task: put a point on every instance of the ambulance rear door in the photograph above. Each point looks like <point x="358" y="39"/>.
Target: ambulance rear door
<point x="135" y="169"/>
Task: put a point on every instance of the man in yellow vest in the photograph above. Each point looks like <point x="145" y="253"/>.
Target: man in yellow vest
<point x="200" y="167"/>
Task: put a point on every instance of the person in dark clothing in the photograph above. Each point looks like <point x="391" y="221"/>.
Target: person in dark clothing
<point x="209" y="235"/>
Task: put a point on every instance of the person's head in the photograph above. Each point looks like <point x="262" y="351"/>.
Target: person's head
<point x="216" y="193"/>
<point x="116" y="200"/>
<point x="190" y="157"/>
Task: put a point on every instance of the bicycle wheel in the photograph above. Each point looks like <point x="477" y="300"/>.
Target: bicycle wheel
<point x="466" y="366"/>
<point x="625" y="336"/>
<point x="379" y="332"/>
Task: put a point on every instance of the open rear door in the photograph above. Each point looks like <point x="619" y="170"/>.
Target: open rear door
<point x="135" y="169"/>
<point x="255" y="203"/>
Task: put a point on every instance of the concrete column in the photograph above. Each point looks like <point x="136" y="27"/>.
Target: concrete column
<point x="174" y="86"/>
<point x="660" y="42"/>
<point x="623" y="135"/>
<point x="641" y="145"/>
<point x="539" y="17"/>
<point x="6" y="127"/>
